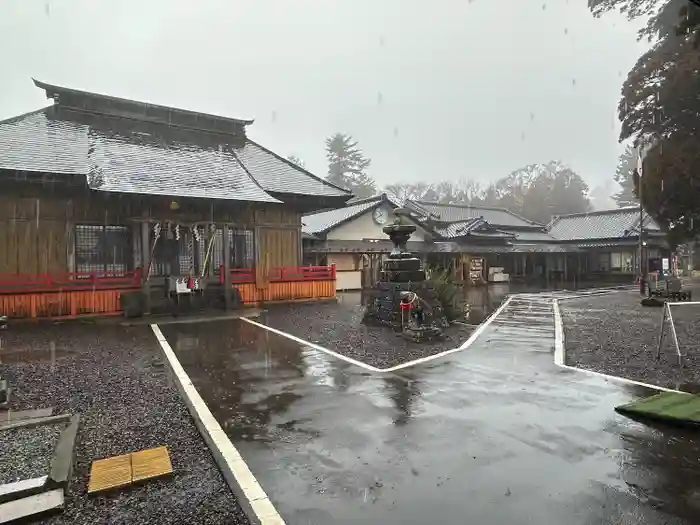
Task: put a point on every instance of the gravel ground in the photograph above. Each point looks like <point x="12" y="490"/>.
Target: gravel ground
<point x="27" y="452"/>
<point x="615" y="335"/>
<point x="338" y="326"/>
<point x="115" y="378"/>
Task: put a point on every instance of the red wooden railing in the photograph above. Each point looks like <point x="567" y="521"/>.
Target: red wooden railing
<point x="69" y="282"/>
<point x="282" y="275"/>
<point x="77" y="281"/>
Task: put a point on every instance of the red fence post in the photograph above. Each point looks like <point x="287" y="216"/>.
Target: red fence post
<point x="333" y="271"/>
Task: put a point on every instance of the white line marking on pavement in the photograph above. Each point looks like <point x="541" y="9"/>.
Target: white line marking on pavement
<point x="560" y="357"/>
<point x="314" y="346"/>
<point x="250" y="494"/>
<point x="475" y="335"/>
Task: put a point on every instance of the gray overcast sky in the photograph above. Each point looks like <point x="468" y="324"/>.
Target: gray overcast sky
<point x="432" y="90"/>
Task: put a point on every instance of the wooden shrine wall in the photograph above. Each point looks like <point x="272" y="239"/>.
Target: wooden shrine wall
<point x="34" y="236"/>
<point x="37" y="224"/>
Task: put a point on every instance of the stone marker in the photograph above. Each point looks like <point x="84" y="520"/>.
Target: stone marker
<point x="403" y="298"/>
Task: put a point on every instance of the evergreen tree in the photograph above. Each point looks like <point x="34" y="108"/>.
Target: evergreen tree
<point x="296" y="160"/>
<point x="624" y="176"/>
<point x="347" y="166"/>
<point x="660" y="105"/>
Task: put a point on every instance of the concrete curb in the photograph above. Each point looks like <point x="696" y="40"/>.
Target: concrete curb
<point x="250" y="495"/>
<point x="22" y="489"/>
<point x="62" y="462"/>
<point x="34" y="422"/>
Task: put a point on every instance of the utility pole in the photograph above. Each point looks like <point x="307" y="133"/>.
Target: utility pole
<point x="642" y="150"/>
<point x="641" y="233"/>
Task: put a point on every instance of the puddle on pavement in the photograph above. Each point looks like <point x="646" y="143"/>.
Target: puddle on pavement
<point x="306" y="420"/>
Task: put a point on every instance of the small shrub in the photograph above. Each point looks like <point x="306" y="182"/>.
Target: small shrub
<point x="448" y="293"/>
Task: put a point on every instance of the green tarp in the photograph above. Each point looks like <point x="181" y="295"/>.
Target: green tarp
<point x="673" y="407"/>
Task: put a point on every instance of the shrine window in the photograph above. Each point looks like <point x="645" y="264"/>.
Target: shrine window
<point x="103" y="249"/>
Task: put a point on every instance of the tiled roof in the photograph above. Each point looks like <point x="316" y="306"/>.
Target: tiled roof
<point x="450" y="213"/>
<point x="606" y="224"/>
<point x="322" y="222"/>
<point x="121" y="159"/>
<point x="457" y="229"/>
<point x="278" y="175"/>
<point x="124" y="164"/>
<point x="133" y="155"/>
<point x="471" y="227"/>
<point x="35" y="142"/>
<point x="533" y="236"/>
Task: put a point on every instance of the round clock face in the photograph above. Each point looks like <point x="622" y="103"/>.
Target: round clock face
<point x="381" y="216"/>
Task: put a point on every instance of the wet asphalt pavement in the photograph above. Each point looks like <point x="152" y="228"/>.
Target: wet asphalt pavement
<point x="495" y="434"/>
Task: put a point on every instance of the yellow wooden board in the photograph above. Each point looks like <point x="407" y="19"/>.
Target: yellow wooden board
<point x="120" y="471"/>
<point x="110" y="473"/>
<point x="152" y="463"/>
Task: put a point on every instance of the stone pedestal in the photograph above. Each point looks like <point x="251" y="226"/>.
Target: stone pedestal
<point x="402" y="298"/>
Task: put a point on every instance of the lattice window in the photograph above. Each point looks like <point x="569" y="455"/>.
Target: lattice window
<point x="242" y="248"/>
<point x="102" y="249"/>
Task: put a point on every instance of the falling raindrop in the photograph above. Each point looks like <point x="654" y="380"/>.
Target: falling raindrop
<point x="532" y="116"/>
<point x="274" y="116"/>
<point x="396" y="132"/>
<point x="566" y="30"/>
<point x="573" y="82"/>
<point x="544" y="6"/>
<point x="382" y="41"/>
<point x="380" y="98"/>
<point x="47" y="8"/>
<point x="522" y="136"/>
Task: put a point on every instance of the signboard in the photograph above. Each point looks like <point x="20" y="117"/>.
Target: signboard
<point x="664" y="264"/>
<point x="476" y="270"/>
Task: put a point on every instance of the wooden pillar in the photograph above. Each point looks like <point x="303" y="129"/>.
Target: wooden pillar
<point x="300" y="255"/>
<point x="227" y="268"/>
<point x="146" y="262"/>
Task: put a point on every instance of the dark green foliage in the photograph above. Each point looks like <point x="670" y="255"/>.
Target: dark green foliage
<point x="347" y="166"/>
<point x="449" y="293"/>
<point x="660" y="101"/>
<point x="624" y="176"/>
